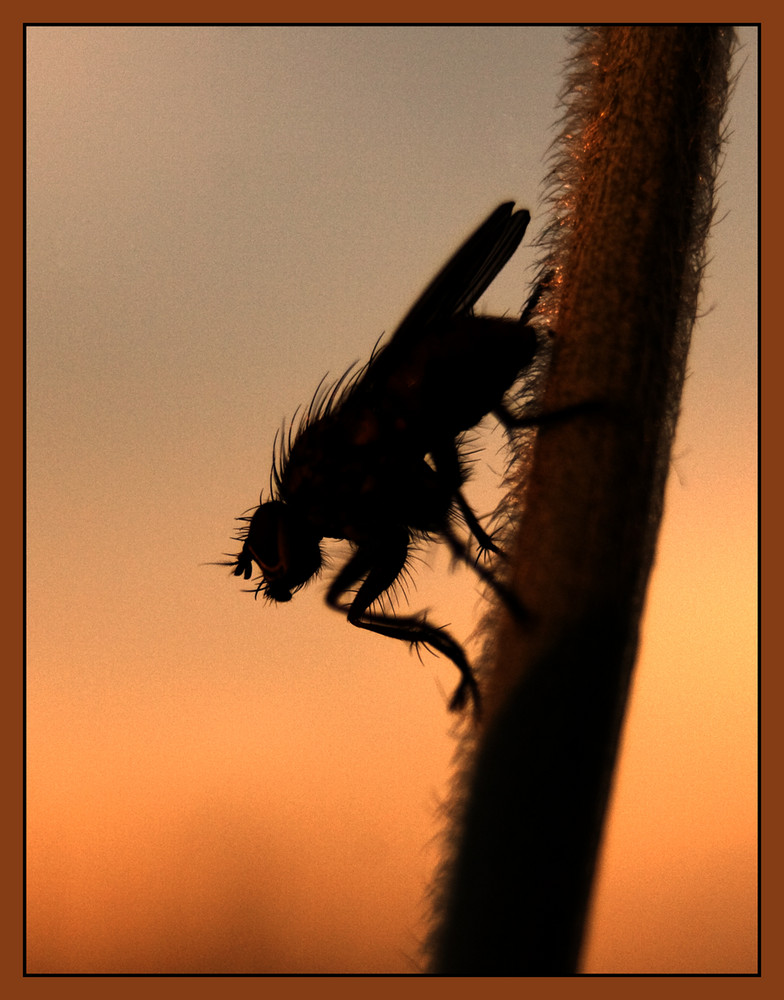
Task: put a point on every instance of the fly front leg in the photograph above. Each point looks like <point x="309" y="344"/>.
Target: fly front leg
<point x="381" y="565"/>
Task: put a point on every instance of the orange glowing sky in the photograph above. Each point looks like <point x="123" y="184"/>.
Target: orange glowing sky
<point x="216" y="217"/>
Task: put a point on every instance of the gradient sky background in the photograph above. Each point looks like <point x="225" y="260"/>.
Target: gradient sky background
<point x="216" y="217"/>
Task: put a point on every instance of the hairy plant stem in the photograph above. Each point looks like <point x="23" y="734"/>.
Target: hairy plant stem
<point x="632" y="197"/>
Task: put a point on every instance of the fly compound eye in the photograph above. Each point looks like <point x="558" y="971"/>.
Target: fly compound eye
<point x="266" y="541"/>
<point x="285" y="550"/>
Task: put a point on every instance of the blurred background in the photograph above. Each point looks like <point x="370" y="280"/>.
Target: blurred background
<point x="216" y="217"/>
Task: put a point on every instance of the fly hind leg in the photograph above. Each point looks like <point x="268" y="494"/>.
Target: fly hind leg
<point x="447" y="462"/>
<point x="510" y="599"/>
<point x="381" y="565"/>
<point x="484" y="541"/>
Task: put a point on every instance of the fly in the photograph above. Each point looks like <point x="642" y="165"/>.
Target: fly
<point x="376" y="458"/>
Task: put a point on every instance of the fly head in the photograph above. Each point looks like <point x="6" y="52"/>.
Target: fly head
<point x="283" y="546"/>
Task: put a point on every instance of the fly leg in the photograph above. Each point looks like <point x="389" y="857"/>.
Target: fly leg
<point x="483" y="540"/>
<point x="447" y="463"/>
<point x="510" y="599"/>
<point x="381" y="564"/>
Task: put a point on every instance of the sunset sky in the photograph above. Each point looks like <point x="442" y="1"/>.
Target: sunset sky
<point x="216" y="217"/>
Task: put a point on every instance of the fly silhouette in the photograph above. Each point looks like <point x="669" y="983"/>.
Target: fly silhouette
<point x="378" y="458"/>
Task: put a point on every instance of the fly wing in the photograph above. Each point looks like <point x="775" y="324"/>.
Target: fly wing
<point x="454" y="290"/>
<point x="468" y="273"/>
